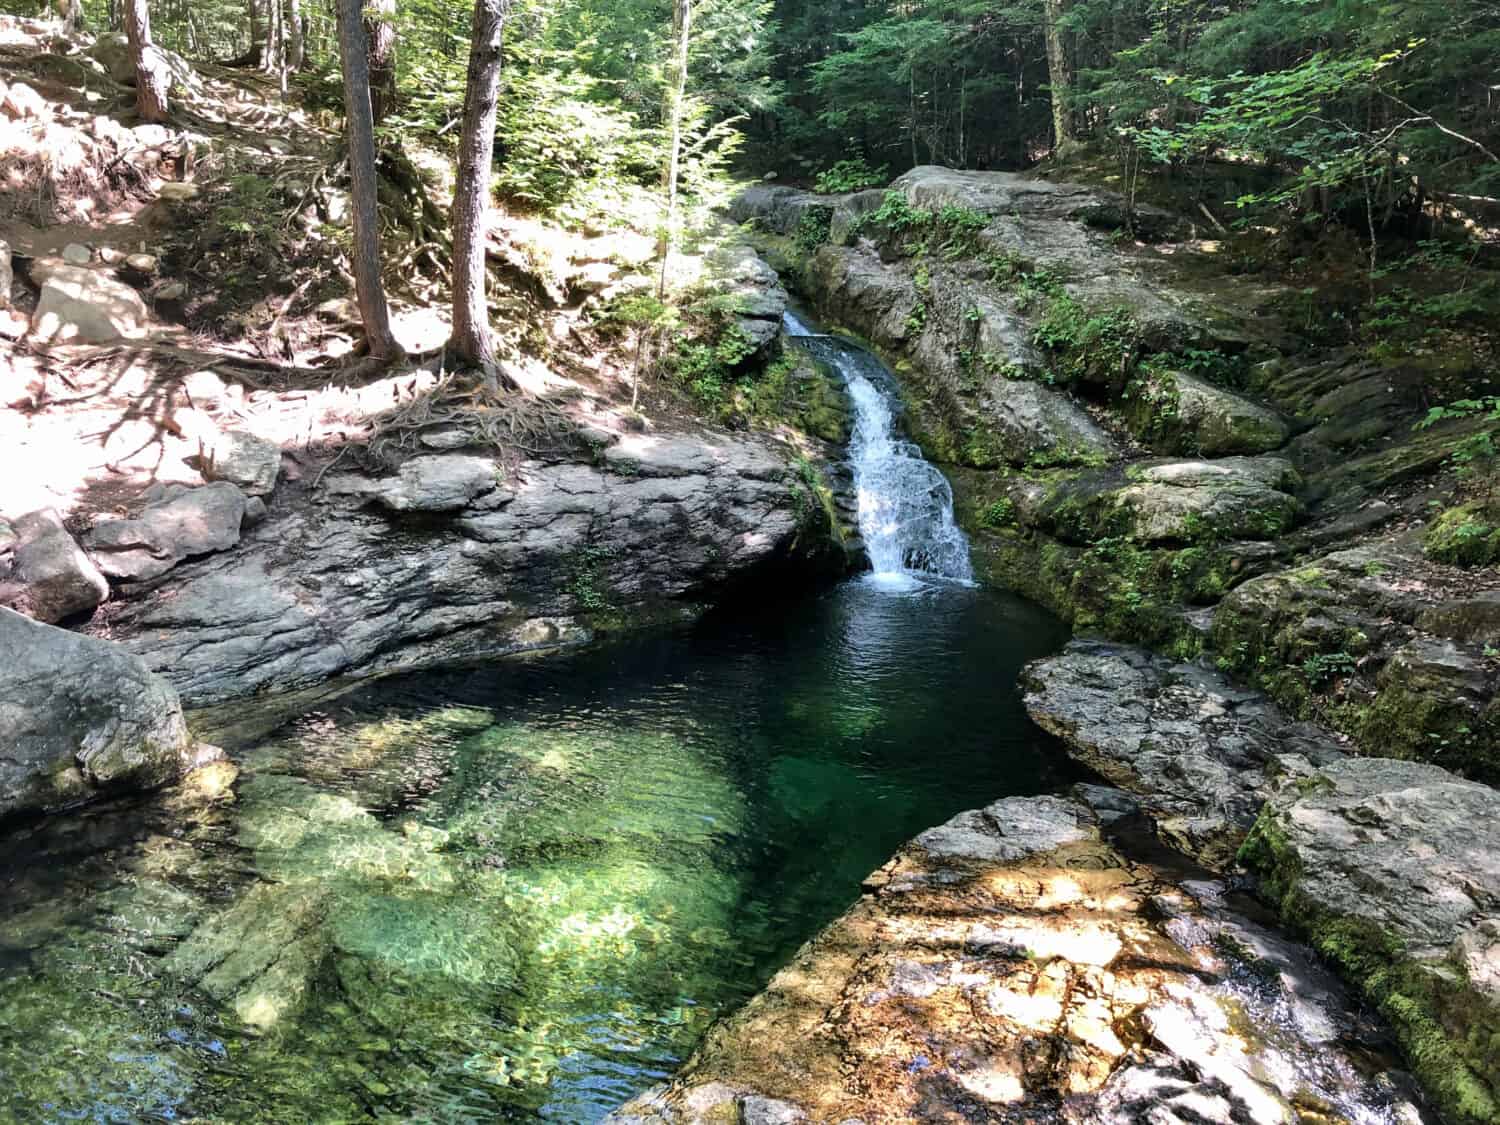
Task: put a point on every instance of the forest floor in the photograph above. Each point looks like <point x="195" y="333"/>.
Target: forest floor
<point x="231" y="225"/>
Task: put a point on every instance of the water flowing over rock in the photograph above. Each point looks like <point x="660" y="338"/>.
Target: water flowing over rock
<point x="905" y="504"/>
<point x="81" y="717"/>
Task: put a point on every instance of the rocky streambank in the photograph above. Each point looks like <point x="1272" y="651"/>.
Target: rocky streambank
<point x="235" y="544"/>
<point x="1166" y="453"/>
<point x="1270" y="515"/>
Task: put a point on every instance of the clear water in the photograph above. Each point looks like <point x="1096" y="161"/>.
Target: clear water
<point x="514" y="892"/>
<point x="905" y="504"/>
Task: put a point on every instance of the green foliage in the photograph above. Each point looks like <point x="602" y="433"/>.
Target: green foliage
<point x="812" y="229"/>
<point x="999" y="514"/>
<point x="850" y="175"/>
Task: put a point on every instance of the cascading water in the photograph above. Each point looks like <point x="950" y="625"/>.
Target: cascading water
<point x="905" y="504"/>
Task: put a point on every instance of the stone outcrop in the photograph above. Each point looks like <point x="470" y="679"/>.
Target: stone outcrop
<point x="50" y="577"/>
<point x="80" y="718"/>
<point x="1390" y="645"/>
<point x="457" y="556"/>
<point x="1015" y="965"/>
<point x="182" y="523"/>
<point x="1199" y="753"/>
<point x="1392" y="870"/>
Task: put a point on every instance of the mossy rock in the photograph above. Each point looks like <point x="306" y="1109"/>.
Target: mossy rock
<point x="1467" y="535"/>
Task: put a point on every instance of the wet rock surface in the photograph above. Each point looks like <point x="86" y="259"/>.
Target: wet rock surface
<point x="1043" y="975"/>
<point x="80" y="718"/>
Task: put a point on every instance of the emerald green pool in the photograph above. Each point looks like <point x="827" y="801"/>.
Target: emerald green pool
<point x="512" y="892"/>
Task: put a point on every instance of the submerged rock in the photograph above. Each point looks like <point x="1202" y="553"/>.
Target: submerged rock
<point x="1043" y="975"/>
<point x="80" y="718"/>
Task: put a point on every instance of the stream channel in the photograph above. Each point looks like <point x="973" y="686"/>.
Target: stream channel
<point x="522" y="891"/>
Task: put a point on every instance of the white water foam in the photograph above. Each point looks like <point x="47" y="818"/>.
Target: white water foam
<point x="905" y="504"/>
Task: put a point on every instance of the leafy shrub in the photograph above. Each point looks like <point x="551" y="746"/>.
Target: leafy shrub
<point x="851" y="175"/>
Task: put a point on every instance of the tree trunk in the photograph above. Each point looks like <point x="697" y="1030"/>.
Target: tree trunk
<point x="682" y="20"/>
<point x="366" y="216"/>
<point x="1060" y="72"/>
<point x="471" y="343"/>
<point x="296" y="37"/>
<point x="72" y="14"/>
<point x="151" y="74"/>
<point x="380" y="26"/>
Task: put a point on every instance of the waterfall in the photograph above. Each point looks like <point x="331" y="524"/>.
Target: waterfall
<point x="905" y="504"/>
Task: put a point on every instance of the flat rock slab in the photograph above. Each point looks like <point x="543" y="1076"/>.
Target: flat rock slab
<point x="1196" y="750"/>
<point x="80" y="717"/>
<point x="184" y="523"/>
<point x="1042" y="976"/>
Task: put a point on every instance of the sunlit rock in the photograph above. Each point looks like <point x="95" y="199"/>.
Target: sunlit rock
<point x="52" y="578"/>
<point x="80" y="718"/>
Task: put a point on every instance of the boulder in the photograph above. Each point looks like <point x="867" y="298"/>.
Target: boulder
<point x="1180" y="413"/>
<point x="52" y="577"/>
<point x="80" y="717"/>
<point x="83" y="306"/>
<point x="1162" y="501"/>
<point x="1392" y="869"/>
<point x="177" y="193"/>
<point x="185" y="523"/>
<point x="1194" y="748"/>
<point x="253" y="463"/>
<point x="429" y="483"/>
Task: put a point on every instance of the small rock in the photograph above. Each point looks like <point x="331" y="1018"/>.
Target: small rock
<point x="336" y="206"/>
<point x="56" y="577"/>
<point x="84" y="306"/>
<point x="141" y="263"/>
<point x="22" y="101"/>
<point x="171" y="291"/>
<point x="110" y="256"/>
<point x="242" y="458"/>
<point x="204" y="388"/>
<point x="255" y="510"/>
<point x="154" y="136"/>
<point x="76" y="254"/>
<point x="178" y="193"/>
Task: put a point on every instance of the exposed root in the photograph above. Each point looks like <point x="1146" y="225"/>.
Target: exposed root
<point x="515" y="423"/>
